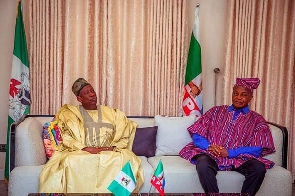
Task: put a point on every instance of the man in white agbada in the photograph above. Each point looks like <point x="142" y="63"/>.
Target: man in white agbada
<point x="96" y="144"/>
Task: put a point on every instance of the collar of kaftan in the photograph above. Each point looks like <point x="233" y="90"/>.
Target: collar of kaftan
<point x="245" y="110"/>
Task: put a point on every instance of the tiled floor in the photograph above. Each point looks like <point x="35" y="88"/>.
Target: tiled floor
<point x="3" y="188"/>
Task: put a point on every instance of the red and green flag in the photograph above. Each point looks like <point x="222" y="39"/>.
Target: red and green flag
<point x="19" y="90"/>
<point x="158" y="179"/>
<point x="192" y="100"/>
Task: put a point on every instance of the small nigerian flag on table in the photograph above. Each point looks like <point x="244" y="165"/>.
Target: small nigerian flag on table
<point x="125" y="182"/>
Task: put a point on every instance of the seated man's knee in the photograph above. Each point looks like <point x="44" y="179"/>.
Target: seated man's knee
<point x="260" y="168"/>
<point x="204" y="162"/>
<point x="257" y="167"/>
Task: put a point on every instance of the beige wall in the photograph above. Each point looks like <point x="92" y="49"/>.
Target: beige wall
<point x="212" y="29"/>
<point x="7" y="20"/>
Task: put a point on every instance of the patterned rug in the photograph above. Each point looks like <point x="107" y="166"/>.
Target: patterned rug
<point x="4" y="192"/>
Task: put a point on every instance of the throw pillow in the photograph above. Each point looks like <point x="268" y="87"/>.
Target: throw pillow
<point x="51" y="137"/>
<point x="172" y="134"/>
<point x="144" y="143"/>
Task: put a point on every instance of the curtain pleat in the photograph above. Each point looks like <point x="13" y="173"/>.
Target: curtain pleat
<point x="261" y="43"/>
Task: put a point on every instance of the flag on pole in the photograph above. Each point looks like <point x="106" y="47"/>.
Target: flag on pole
<point x="158" y="179"/>
<point x="19" y="90"/>
<point x="192" y="99"/>
<point x="124" y="183"/>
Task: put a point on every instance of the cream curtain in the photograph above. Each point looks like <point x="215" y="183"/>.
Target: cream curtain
<point x="132" y="51"/>
<point x="261" y="43"/>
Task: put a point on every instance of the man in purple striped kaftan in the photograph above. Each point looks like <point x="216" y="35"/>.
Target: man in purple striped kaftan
<point x="231" y="138"/>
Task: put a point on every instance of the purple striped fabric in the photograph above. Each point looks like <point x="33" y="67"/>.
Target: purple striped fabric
<point x="218" y="126"/>
<point x="249" y="83"/>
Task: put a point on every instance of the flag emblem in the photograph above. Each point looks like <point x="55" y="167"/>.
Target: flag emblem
<point x="125" y="181"/>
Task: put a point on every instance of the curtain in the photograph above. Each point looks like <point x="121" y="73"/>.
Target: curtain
<point x="261" y="43"/>
<point x="131" y="51"/>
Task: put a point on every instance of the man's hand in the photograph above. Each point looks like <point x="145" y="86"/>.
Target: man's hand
<point x="97" y="150"/>
<point x="218" y="151"/>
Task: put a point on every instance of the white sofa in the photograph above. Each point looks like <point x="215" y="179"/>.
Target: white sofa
<point x="28" y="158"/>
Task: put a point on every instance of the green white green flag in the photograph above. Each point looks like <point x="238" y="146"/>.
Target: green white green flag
<point x="19" y="90"/>
<point x="124" y="183"/>
<point x="192" y="99"/>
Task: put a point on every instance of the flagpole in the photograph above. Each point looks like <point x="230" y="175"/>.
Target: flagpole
<point x="150" y="190"/>
<point x="216" y="71"/>
<point x="151" y="185"/>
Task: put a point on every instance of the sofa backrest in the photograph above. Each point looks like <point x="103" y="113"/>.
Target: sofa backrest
<point x="29" y="148"/>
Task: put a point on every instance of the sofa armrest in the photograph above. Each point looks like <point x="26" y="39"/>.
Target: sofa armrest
<point x="284" y="146"/>
<point x="26" y="144"/>
<point x="12" y="142"/>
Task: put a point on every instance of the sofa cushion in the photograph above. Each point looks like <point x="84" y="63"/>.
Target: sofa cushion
<point x="180" y="175"/>
<point x="51" y="137"/>
<point x="172" y="134"/>
<point x="148" y="171"/>
<point x="144" y="143"/>
<point x="24" y="180"/>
